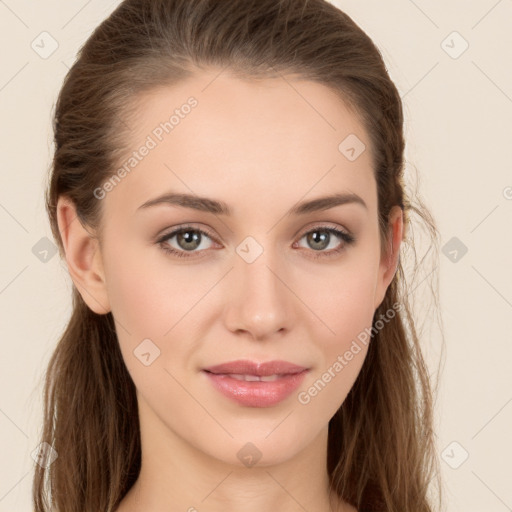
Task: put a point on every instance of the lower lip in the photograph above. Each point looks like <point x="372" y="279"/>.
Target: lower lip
<point x="257" y="393"/>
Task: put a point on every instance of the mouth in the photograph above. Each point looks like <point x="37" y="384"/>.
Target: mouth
<point x="253" y="384"/>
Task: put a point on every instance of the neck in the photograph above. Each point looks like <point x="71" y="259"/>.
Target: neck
<point x="176" y="477"/>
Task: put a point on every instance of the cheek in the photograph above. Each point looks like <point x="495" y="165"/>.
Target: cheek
<point x="148" y="293"/>
<point x="341" y="297"/>
<point x="155" y="299"/>
<point x="343" y="302"/>
<point x="342" y="340"/>
<point x="150" y="301"/>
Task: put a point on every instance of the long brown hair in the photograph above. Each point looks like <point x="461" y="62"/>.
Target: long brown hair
<point x="381" y="451"/>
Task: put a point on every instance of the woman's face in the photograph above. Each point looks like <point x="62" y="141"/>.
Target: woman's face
<point x="265" y="281"/>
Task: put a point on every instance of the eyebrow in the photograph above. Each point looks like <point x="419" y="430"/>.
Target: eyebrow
<point x="216" y="207"/>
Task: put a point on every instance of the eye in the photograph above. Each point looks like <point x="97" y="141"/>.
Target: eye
<point x="321" y="237"/>
<point x="188" y="239"/>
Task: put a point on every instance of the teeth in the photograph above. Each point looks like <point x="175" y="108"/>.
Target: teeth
<point x="254" y="378"/>
<point x="269" y="378"/>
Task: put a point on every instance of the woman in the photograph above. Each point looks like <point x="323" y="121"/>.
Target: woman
<point x="227" y="191"/>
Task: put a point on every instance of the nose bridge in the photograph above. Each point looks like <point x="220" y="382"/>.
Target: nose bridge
<point x="260" y="302"/>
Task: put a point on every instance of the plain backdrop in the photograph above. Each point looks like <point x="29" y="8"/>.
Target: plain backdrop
<point x="451" y="62"/>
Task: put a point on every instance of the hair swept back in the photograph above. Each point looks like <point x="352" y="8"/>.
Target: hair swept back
<point x="381" y="452"/>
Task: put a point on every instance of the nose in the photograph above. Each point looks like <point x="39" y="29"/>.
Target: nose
<point x="260" y="302"/>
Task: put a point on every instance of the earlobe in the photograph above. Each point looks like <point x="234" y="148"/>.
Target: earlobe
<point x="389" y="262"/>
<point x="83" y="257"/>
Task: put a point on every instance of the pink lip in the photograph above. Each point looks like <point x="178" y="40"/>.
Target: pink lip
<point x="256" y="393"/>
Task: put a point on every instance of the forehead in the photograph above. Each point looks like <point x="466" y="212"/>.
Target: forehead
<point x="239" y="140"/>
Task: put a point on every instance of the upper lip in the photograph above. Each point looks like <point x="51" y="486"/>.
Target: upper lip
<point x="245" y="367"/>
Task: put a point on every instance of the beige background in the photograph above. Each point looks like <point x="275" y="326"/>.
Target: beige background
<point x="459" y="125"/>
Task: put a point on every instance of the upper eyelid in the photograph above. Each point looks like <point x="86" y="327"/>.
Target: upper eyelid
<point x="321" y="225"/>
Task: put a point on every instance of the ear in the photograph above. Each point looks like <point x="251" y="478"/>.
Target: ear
<point x="389" y="261"/>
<point x="83" y="257"/>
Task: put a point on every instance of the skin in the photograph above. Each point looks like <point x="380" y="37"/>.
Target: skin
<point x="260" y="147"/>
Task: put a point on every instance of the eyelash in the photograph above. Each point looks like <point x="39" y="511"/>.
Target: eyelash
<point x="347" y="238"/>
